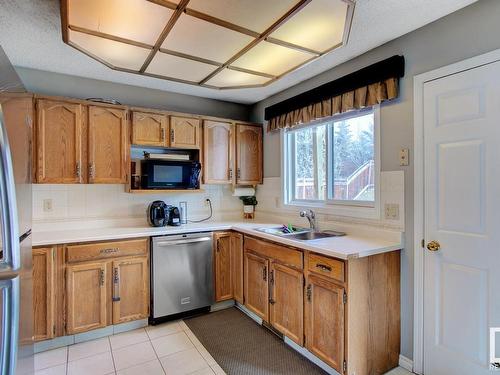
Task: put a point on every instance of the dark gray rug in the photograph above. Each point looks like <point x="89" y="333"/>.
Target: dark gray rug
<point x="242" y="347"/>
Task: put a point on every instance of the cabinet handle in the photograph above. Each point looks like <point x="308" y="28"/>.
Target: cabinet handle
<point x="217" y="247"/>
<point x="271" y="288"/>
<point x="91" y="170"/>
<point x="163" y="134"/>
<point x="230" y="173"/>
<point x="78" y="169"/>
<point x="101" y="277"/>
<point x="309" y="292"/>
<point x="238" y="173"/>
<point x="116" y="285"/>
<point x="264" y="273"/>
<point x="324" y="267"/>
<point x="172" y="135"/>
<point x="108" y="251"/>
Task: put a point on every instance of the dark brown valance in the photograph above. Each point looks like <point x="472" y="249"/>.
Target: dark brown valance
<point x="355" y="91"/>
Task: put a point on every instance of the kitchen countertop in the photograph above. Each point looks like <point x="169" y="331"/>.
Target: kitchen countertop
<point x="345" y="247"/>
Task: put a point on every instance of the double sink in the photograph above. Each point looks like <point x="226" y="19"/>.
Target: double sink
<point x="301" y="234"/>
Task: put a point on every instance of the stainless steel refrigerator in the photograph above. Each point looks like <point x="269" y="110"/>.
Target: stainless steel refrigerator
<point x="16" y="121"/>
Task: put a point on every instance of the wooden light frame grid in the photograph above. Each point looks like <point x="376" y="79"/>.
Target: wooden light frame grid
<point x="182" y="8"/>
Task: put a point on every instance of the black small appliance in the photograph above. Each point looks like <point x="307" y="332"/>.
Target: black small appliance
<point x="174" y="216"/>
<point x="158" y="214"/>
<point x="170" y="174"/>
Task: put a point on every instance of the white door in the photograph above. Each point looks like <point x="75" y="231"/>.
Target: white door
<point x="462" y="213"/>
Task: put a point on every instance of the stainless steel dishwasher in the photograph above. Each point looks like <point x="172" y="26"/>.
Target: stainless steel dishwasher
<point x="181" y="274"/>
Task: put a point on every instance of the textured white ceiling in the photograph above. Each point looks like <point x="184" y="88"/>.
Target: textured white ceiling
<point x="30" y="34"/>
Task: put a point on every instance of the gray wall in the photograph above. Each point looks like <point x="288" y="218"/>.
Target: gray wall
<point x="469" y="32"/>
<point x="49" y="83"/>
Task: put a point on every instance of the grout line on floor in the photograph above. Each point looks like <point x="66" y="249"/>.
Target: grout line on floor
<point x="112" y="356"/>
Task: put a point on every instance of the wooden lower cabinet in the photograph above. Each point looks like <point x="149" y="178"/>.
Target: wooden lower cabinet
<point x="237" y="266"/>
<point x="287" y="302"/>
<point x="86" y="296"/>
<point x="223" y="279"/>
<point x="324" y="320"/>
<point x="44" y="293"/>
<point x="256" y="285"/>
<point x="130" y="289"/>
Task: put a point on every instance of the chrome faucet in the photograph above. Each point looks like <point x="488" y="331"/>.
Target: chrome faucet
<point x="309" y="215"/>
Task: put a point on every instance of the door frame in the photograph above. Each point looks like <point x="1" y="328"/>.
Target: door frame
<point x="418" y="190"/>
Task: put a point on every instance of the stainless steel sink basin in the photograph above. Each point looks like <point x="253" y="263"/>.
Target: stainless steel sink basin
<point x="309" y="236"/>
<point x="278" y="231"/>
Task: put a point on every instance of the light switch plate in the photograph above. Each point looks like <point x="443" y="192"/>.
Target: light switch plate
<point x="47" y="205"/>
<point x="391" y="211"/>
<point x="404" y="157"/>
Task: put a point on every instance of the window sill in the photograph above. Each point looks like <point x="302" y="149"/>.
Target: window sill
<point x="343" y="209"/>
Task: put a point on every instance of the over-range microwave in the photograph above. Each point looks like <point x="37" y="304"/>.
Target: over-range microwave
<point x="170" y="174"/>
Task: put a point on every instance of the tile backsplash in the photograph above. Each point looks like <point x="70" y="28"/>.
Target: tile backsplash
<point x="63" y="202"/>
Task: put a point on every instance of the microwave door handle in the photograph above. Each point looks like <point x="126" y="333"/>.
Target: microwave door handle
<point x="10" y="325"/>
<point x="9" y="231"/>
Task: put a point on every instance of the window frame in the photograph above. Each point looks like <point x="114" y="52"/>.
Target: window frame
<point x="361" y="209"/>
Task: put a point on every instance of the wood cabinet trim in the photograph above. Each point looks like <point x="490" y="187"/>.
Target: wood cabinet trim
<point x="44" y="305"/>
<point x="81" y="252"/>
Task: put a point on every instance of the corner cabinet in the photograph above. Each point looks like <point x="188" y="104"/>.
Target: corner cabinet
<point x="108" y="146"/>
<point x="59" y="134"/>
<point x="249" y="156"/>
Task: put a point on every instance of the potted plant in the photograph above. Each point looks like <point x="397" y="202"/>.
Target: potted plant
<point x="249" y="203"/>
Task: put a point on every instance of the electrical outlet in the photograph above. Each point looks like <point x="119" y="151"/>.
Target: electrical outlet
<point x="404" y="157"/>
<point x="391" y="211"/>
<point x="47" y="205"/>
<point x="206" y="199"/>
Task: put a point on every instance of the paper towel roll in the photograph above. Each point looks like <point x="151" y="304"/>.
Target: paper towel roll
<point x="243" y="192"/>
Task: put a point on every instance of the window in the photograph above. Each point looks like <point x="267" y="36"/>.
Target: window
<point x="334" y="161"/>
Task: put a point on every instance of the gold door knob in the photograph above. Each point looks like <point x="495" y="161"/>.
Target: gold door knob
<point x="433" y="246"/>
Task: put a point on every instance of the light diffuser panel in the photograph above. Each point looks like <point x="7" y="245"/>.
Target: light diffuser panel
<point x="137" y="20"/>
<point x="234" y="78"/>
<point x="204" y="39"/>
<point x="319" y="26"/>
<point x="115" y="53"/>
<point x="271" y="59"/>
<point x="256" y="15"/>
<point x="178" y="67"/>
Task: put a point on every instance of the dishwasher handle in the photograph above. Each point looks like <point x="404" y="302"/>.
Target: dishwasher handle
<point x="181" y="242"/>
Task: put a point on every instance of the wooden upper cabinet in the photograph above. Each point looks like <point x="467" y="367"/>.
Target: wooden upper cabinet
<point x="256" y="285"/>
<point x="185" y="132"/>
<point x="59" y="129"/>
<point x="218" y="146"/>
<point x="223" y="282"/>
<point x="150" y="129"/>
<point x="130" y="289"/>
<point x="287" y="302"/>
<point x="237" y="266"/>
<point x="248" y="154"/>
<point x="44" y="293"/>
<point x="86" y="296"/>
<point x="324" y="321"/>
<point x="108" y="146"/>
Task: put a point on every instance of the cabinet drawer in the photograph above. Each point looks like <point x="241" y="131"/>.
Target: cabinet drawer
<point x="103" y="250"/>
<point x="278" y="253"/>
<point x="325" y="266"/>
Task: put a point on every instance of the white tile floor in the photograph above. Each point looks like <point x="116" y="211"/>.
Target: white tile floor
<point x="170" y="348"/>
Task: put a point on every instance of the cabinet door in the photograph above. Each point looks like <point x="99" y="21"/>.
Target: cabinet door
<point x="108" y="146"/>
<point x="59" y="129"/>
<point x="223" y="282"/>
<point x="248" y="154"/>
<point x="287" y="302"/>
<point x="324" y="319"/>
<point x="237" y="266"/>
<point x="43" y="293"/>
<point x="185" y="132"/>
<point x="149" y="129"/>
<point x="218" y="152"/>
<point x="86" y="297"/>
<point x="256" y="285"/>
<point x="130" y="289"/>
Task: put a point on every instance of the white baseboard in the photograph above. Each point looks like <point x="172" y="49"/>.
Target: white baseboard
<point x="243" y="308"/>
<point x="406" y="363"/>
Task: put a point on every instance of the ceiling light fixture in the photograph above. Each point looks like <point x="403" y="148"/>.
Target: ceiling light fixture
<point x="220" y="44"/>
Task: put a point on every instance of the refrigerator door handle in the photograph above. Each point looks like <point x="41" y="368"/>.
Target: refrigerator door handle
<point x="8" y="206"/>
<point x="10" y="325"/>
